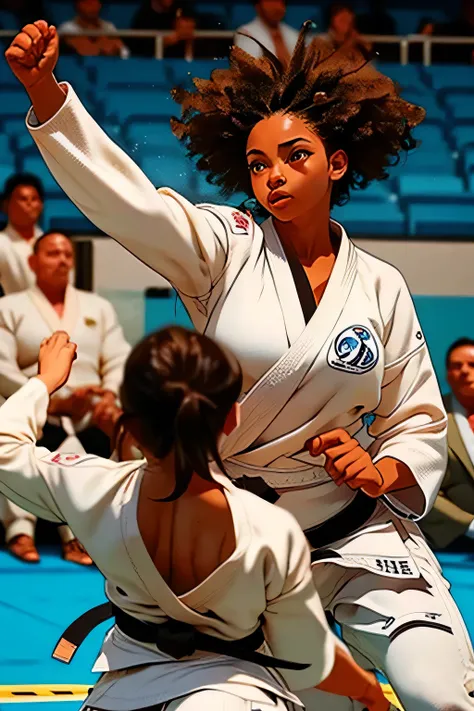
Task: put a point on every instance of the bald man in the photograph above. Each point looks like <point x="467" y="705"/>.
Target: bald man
<point x="26" y="318"/>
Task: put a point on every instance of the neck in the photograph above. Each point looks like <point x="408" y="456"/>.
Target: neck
<point x="87" y="23"/>
<point x="55" y="294"/>
<point x="309" y="236"/>
<point x="467" y="402"/>
<point x="159" y="479"/>
<point x="27" y="232"/>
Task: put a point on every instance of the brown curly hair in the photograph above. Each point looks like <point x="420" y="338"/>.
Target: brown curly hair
<point x="350" y="105"/>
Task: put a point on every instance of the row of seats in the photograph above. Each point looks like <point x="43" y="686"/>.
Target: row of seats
<point x="429" y="192"/>
<point x="228" y="16"/>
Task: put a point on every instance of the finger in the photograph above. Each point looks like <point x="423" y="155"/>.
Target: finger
<point x="318" y="445"/>
<point x="32" y="31"/>
<point x="43" y="28"/>
<point x="341" y="465"/>
<point x="14" y="53"/>
<point x="334" y="453"/>
<point x="23" y="41"/>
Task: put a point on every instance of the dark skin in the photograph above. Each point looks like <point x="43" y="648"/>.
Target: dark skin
<point x="460" y="376"/>
<point x="23" y="208"/>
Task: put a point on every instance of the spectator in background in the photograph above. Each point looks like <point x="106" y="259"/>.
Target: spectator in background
<point x="158" y="15"/>
<point x="450" y="523"/>
<point x="22" y="202"/>
<point x="269" y="29"/>
<point x="342" y="29"/>
<point x="88" y="18"/>
<point x="378" y="21"/>
<point x="26" y="319"/>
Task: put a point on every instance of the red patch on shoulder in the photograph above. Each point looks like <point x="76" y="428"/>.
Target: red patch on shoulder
<point x="63" y="459"/>
<point x="241" y="222"/>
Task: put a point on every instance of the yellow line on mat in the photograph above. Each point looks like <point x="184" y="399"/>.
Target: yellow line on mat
<point x="30" y="693"/>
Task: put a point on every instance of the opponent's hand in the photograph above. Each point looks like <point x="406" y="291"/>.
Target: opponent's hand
<point x="33" y="53"/>
<point x="346" y="461"/>
<point x="55" y="360"/>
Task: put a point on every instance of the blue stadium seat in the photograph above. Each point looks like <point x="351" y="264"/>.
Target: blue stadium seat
<point x="14" y="126"/>
<point x="122" y="105"/>
<point x="5" y="149"/>
<point x="6" y="170"/>
<point x="431" y="135"/>
<point x="62" y="214"/>
<point x="24" y="144"/>
<point x="217" y="10"/>
<point x="172" y="172"/>
<point x="461" y="105"/>
<point x="425" y="161"/>
<point x="432" y="187"/>
<point x="429" y="102"/>
<point x="135" y="70"/>
<point x="408" y="77"/>
<point x="449" y="76"/>
<point x="14" y="103"/>
<point x="370" y="218"/>
<point x="378" y="191"/>
<point x="148" y="137"/>
<point x="463" y="136"/>
<point x="446" y="220"/>
<point x="37" y="166"/>
<point x="179" y="72"/>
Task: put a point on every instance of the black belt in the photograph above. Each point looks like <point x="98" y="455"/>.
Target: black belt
<point x="339" y="526"/>
<point x="172" y="637"/>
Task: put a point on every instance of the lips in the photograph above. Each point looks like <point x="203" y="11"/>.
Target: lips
<point x="276" y="197"/>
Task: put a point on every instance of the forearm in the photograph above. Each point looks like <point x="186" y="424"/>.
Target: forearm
<point x="347" y="678"/>
<point x="46" y="97"/>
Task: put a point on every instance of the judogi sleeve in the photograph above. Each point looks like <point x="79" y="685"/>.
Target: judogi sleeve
<point x="114" y="349"/>
<point x="410" y="422"/>
<point x="11" y="377"/>
<point x="57" y="487"/>
<point x="165" y="231"/>
<point x="294" y="618"/>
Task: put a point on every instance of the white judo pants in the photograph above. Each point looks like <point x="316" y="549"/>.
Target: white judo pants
<point x="410" y="630"/>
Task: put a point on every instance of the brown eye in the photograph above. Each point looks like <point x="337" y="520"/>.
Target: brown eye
<point x="257" y="167"/>
<point x="299" y="154"/>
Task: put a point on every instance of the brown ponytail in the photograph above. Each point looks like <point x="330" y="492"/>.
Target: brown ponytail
<point x="180" y="386"/>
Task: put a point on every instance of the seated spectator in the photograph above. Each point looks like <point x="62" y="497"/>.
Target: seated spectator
<point x="450" y="524"/>
<point x="269" y="29"/>
<point x="22" y="202"/>
<point x="88" y="18"/>
<point x="26" y="318"/>
<point x="342" y="29"/>
<point x="158" y="15"/>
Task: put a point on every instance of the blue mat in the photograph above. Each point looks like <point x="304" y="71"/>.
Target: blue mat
<point x="37" y="603"/>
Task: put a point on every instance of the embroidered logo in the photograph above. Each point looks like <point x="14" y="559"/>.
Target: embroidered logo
<point x="240" y="221"/>
<point x="90" y="321"/>
<point x="63" y="459"/>
<point x="354" y="351"/>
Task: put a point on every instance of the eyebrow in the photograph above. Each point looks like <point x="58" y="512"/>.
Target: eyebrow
<point x="286" y="144"/>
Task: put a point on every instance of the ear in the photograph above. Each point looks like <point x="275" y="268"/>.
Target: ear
<point x="338" y="164"/>
<point x="32" y="262"/>
<point x="232" y="420"/>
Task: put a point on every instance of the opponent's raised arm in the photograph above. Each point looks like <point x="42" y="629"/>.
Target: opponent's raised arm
<point x="162" y="229"/>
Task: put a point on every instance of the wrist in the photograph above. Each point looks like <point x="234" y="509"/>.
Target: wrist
<point x="46" y="97"/>
<point x="51" y="384"/>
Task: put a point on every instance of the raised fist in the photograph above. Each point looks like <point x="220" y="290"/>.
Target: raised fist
<point x="33" y="54"/>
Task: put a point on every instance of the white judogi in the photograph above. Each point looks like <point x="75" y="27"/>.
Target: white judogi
<point x="258" y="29"/>
<point x="15" y="273"/>
<point x="26" y="318"/>
<point x="362" y="352"/>
<point x="268" y="574"/>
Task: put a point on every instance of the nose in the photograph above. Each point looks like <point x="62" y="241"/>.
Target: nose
<point x="276" y="178"/>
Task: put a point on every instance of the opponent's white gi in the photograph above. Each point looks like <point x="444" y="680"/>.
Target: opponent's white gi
<point x="362" y="352"/>
<point x="26" y="318"/>
<point x="15" y="273"/>
<point x="268" y="575"/>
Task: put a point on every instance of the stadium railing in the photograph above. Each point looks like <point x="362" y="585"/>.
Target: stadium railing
<point x="403" y="41"/>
